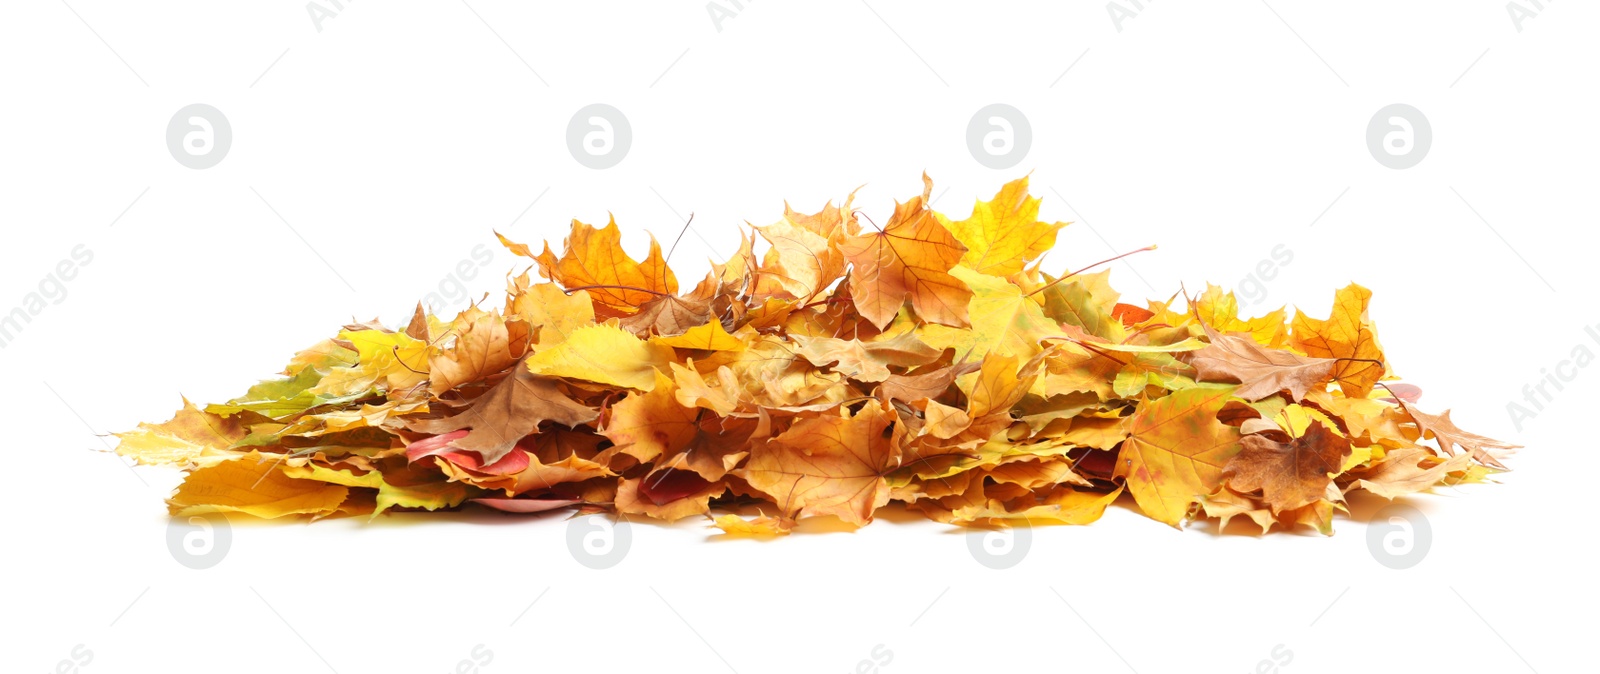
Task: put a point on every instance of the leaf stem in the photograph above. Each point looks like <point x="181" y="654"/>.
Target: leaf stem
<point x="870" y="221"/>
<point x="657" y="293"/>
<point x="680" y="238"/>
<point x="1092" y="266"/>
<point x="1086" y="345"/>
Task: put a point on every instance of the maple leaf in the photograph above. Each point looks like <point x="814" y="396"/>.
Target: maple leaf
<point x="998" y="385"/>
<point x="1347" y="336"/>
<point x="593" y="259"/>
<point x="509" y="410"/>
<point x="1085" y="301"/>
<point x="1004" y="234"/>
<point x="668" y="315"/>
<point x="830" y="465"/>
<point x="646" y="424"/>
<point x="1485" y="450"/>
<point x="910" y="258"/>
<point x="1176" y="450"/>
<point x="1003" y="320"/>
<point x="551" y="310"/>
<point x="484" y="344"/>
<point x="1290" y="475"/>
<point x="804" y="258"/>
<point x="1220" y="310"/>
<point x="1260" y="371"/>
<point x="718" y="445"/>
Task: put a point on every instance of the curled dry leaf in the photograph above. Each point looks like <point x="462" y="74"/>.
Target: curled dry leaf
<point x="827" y="369"/>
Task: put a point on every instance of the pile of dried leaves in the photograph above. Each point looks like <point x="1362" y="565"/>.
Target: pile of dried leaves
<point x="928" y="362"/>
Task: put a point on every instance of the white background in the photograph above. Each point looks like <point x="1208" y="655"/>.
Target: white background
<point x="395" y="138"/>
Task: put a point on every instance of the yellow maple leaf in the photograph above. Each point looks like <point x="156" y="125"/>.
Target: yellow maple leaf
<point x="551" y="310"/>
<point x="1348" y="336"/>
<point x="1176" y="450"/>
<point x="1003" y="320"/>
<point x="1004" y="234"/>
<point x="1219" y="309"/>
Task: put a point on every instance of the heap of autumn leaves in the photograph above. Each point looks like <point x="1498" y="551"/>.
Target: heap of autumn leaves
<point x="929" y="362"/>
